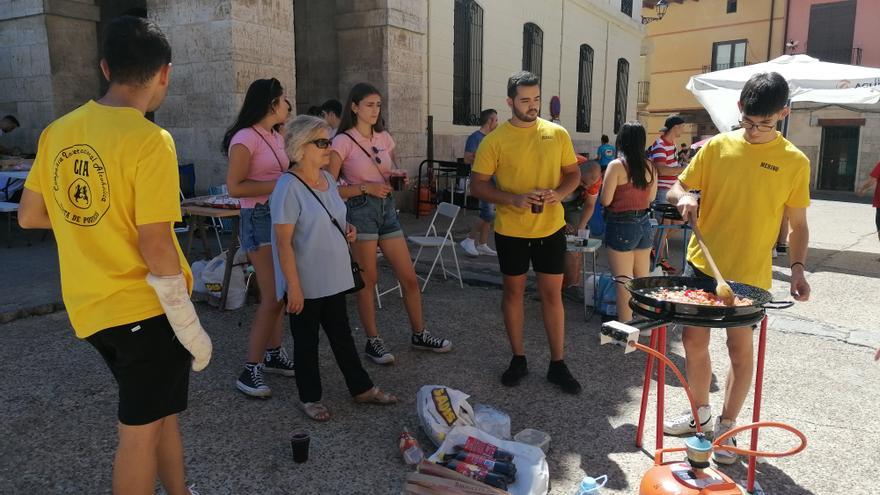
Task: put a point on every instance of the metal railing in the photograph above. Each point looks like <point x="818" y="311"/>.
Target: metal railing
<point x="626" y="6"/>
<point x="840" y="56"/>
<point x="714" y="67"/>
<point x="644" y="92"/>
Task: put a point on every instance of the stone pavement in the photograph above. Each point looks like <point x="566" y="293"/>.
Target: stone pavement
<point x="59" y="402"/>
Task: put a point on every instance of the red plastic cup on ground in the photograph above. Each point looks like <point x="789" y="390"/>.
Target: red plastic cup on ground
<point x="299" y="442"/>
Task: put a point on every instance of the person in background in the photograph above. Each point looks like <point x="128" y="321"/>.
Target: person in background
<point x="105" y="181"/>
<point x="312" y="266"/>
<point x="662" y="154"/>
<point x="747" y="178"/>
<point x="605" y="153"/>
<point x="683" y="155"/>
<point x="480" y="229"/>
<point x="362" y="159"/>
<point x="331" y="112"/>
<point x="578" y="207"/>
<point x="873" y="181"/>
<point x="630" y="184"/>
<point x="256" y="160"/>
<point x="534" y="166"/>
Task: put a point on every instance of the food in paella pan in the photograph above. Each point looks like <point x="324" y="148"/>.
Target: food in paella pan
<point x="695" y="296"/>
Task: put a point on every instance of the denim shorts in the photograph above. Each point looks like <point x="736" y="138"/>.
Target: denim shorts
<point x="256" y="227"/>
<point x="374" y="218"/>
<point x="628" y="231"/>
<point x="487" y="211"/>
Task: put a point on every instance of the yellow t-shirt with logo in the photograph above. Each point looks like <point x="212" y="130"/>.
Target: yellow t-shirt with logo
<point x="102" y="171"/>
<point x="744" y="191"/>
<point x="523" y="159"/>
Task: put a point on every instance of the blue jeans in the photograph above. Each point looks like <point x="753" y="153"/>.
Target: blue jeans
<point x="256" y="227"/>
<point x="628" y="231"/>
<point x="374" y="218"/>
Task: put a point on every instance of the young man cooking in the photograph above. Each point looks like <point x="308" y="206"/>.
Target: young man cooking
<point x="748" y="179"/>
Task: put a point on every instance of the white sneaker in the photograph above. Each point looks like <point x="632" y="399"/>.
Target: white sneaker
<point x="469" y="247"/>
<point x="722" y="426"/>
<point x="485" y="249"/>
<point x="685" y="423"/>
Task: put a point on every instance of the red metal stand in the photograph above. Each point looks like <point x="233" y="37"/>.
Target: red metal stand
<point x="658" y="342"/>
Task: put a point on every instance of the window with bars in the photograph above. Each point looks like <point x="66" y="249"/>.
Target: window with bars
<point x="621" y="94"/>
<point x="626" y="6"/>
<point x="467" y="53"/>
<point x="585" y="89"/>
<point x="533" y="47"/>
<point x="731" y="6"/>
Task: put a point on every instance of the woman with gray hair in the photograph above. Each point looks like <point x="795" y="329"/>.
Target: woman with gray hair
<point x="312" y="266"/>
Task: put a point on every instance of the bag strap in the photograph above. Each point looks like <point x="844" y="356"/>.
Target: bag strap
<point x="372" y="159"/>
<point x="332" y="219"/>
<point x="280" y="165"/>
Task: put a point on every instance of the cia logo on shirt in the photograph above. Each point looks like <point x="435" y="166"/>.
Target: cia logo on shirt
<point x="80" y="186"/>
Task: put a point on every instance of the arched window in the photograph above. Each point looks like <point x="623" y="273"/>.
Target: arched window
<point x="467" y="72"/>
<point x="621" y="95"/>
<point x="533" y="48"/>
<point x="585" y="89"/>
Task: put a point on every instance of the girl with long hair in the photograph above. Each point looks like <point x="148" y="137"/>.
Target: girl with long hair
<point x="256" y="160"/>
<point x="362" y="159"/>
<point x="629" y="185"/>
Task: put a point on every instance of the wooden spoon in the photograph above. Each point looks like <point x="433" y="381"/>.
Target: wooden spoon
<point x="722" y="288"/>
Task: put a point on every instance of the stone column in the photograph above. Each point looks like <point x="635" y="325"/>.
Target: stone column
<point x="219" y="48"/>
<point x="384" y="42"/>
<point x="48" y="63"/>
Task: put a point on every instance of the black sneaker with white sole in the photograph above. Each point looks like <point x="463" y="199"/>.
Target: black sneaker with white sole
<point x="426" y="342"/>
<point x="251" y="383"/>
<point x="376" y="351"/>
<point x="276" y="361"/>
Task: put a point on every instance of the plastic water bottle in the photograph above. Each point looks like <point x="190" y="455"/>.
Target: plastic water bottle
<point x="591" y="486"/>
<point x="409" y="448"/>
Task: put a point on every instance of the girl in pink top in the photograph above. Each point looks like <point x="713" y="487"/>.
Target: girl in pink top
<point x="630" y="183"/>
<point x="362" y="159"/>
<point x="256" y="160"/>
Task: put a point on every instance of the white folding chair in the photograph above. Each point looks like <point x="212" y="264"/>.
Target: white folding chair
<point x="379" y="294"/>
<point x="433" y="240"/>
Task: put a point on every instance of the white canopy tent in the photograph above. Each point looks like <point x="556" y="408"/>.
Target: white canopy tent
<point x="809" y="79"/>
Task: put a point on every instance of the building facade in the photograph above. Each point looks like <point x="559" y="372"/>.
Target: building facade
<point x="696" y="37"/>
<point x="444" y="59"/>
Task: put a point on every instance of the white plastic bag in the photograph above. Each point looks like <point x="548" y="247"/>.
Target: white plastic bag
<point x="440" y="408"/>
<point x="493" y="421"/>
<point x="197" y="268"/>
<point x="212" y="279"/>
<point x="532" y="472"/>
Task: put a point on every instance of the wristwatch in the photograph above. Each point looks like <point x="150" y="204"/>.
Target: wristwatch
<point x="363" y="189"/>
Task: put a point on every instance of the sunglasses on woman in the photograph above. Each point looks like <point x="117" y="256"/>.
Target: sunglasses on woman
<point x="322" y="143"/>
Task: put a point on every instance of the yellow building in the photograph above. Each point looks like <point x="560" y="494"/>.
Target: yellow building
<point x="696" y="36"/>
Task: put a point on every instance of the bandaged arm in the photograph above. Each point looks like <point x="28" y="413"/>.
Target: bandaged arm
<point x="157" y="247"/>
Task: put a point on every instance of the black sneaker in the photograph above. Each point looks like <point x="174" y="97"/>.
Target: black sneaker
<point x="426" y="342"/>
<point x="558" y="374"/>
<point x="250" y="382"/>
<point x="517" y="370"/>
<point x="276" y="361"/>
<point x="377" y="352"/>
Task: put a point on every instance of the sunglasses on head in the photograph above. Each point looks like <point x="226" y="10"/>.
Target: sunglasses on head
<point x="321" y="143"/>
<point x="376" y="155"/>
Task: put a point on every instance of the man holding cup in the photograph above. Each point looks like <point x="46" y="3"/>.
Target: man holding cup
<point x="534" y="165"/>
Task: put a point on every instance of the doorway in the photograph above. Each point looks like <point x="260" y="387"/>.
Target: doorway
<point x="840" y="152"/>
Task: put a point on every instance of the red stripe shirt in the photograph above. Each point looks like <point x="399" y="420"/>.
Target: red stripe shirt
<point x="663" y="152"/>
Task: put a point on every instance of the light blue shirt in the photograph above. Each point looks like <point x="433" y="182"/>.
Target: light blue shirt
<point x="322" y="257"/>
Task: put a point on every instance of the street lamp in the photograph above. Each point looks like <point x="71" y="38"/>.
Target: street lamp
<point x="660" y="7"/>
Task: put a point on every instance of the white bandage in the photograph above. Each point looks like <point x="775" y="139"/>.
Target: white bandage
<point x="183" y="318"/>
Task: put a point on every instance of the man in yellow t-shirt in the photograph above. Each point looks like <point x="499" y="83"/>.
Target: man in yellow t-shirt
<point x="534" y="166"/>
<point x="105" y="181"/>
<point x="747" y="178"/>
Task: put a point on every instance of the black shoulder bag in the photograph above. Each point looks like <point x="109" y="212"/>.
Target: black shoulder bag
<point x="355" y="268"/>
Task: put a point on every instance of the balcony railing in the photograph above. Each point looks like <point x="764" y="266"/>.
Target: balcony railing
<point x="713" y="68"/>
<point x="644" y="92"/>
<point x="626" y="6"/>
<point x="851" y="56"/>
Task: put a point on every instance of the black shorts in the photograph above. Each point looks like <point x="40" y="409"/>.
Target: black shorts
<point x="150" y="366"/>
<point x="546" y="254"/>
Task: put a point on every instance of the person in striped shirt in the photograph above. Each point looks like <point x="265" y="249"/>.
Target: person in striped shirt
<point x="663" y="155"/>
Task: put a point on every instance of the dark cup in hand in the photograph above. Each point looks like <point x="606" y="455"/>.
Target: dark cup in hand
<point x="398" y="180"/>
<point x="538" y="207"/>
